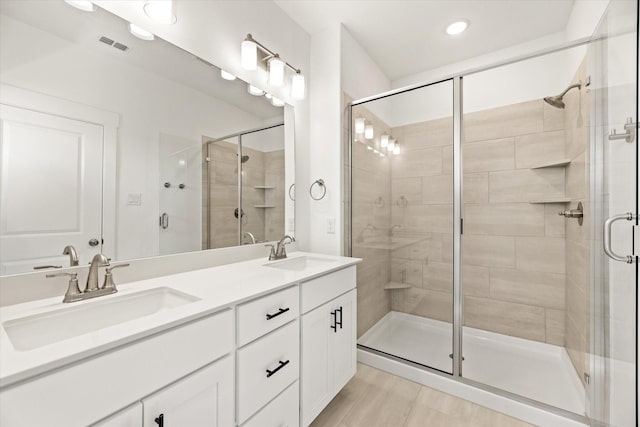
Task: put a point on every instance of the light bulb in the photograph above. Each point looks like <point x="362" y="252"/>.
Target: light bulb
<point x="227" y="75"/>
<point x="140" y="33"/>
<point x="277" y="102"/>
<point x="359" y="125"/>
<point x="249" y="55"/>
<point x="276" y="71"/>
<point x="162" y="11"/>
<point x="368" y="131"/>
<point x="297" y="86"/>
<point x="255" y="91"/>
<point x="384" y="140"/>
<point x="268" y="95"/>
<point x="84" y="5"/>
<point x="396" y="149"/>
<point x="392" y="144"/>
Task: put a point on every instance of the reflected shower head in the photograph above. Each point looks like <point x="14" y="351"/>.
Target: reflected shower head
<point x="556" y="101"/>
<point x="244" y="159"/>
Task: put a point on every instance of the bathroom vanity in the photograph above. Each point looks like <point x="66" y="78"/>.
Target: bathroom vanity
<point x="254" y="343"/>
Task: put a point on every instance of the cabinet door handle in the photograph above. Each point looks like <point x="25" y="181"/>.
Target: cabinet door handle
<point x="281" y="365"/>
<point x="282" y="310"/>
<point x="340" y="322"/>
<point x="334" y="313"/>
<point x="160" y="420"/>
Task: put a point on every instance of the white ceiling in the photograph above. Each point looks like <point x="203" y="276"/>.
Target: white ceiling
<point x="406" y="37"/>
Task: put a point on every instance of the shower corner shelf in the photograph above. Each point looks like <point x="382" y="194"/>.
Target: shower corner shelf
<point x="552" y="164"/>
<point x="263" y="206"/>
<point x="551" y="200"/>
<point x="396" y="285"/>
<point x="264" y="187"/>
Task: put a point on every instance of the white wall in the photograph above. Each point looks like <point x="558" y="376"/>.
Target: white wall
<point x="149" y="105"/>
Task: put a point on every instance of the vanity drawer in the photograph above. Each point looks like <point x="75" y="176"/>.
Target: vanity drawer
<point x="266" y="367"/>
<point x="265" y="314"/>
<point x="325" y="288"/>
<point x="283" y="411"/>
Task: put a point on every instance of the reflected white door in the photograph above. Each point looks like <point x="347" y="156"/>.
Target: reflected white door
<point x="50" y="189"/>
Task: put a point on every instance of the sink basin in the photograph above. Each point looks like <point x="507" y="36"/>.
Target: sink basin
<point x="35" y="331"/>
<point x="300" y="263"/>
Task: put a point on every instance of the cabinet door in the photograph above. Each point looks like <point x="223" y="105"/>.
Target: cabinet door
<point x="204" y="398"/>
<point x="343" y="341"/>
<point x="129" y="417"/>
<point x="316" y="358"/>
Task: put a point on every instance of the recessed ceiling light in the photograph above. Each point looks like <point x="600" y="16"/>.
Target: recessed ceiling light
<point x="227" y="75"/>
<point x="140" y="33"/>
<point x="85" y="5"/>
<point x="457" y="27"/>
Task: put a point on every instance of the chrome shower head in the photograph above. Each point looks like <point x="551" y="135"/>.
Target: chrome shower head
<point x="244" y="159"/>
<point x="556" y="101"/>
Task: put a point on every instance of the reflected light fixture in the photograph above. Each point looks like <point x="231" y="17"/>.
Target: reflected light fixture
<point x="297" y="86"/>
<point x="277" y="102"/>
<point x="276" y="71"/>
<point x="457" y="27"/>
<point x="392" y="145"/>
<point x="268" y="95"/>
<point x="376" y="151"/>
<point x="255" y="91"/>
<point x="84" y="5"/>
<point x="396" y="149"/>
<point x="368" y="131"/>
<point x="384" y="141"/>
<point x="140" y="33"/>
<point x="249" y="54"/>
<point x="161" y="11"/>
<point x="369" y="147"/>
<point x="359" y="125"/>
<point x="227" y="75"/>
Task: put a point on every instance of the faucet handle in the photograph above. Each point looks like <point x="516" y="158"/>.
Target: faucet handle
<point x="108" y="277"/>
<point x="73" y="290"/>
<point x="272" y="254"/>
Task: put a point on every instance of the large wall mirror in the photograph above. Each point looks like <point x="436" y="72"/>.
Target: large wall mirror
<point x="130" y="147"/>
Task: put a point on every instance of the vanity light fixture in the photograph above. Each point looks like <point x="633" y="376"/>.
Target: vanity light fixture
<point x="396" y="149"/>
<point x="392" y="145"/>
<point x="140" y="33"/>
<point x="384" y="140"/>
<point x="227" y="75"/>
<point x="84" y="5"/>
<point x="277" y="102"/>
<point x="369" y="147"/>
<point x="457" y="27"/>
<point x="161" y="11"/>
<point x="376" y="151"/>
<point x="254" y="90"/>
<point x="249" y="60"/>
<point x="382" y="155"/>
<point x="276" y="71"/>
<point x="268" y="95"/>
<point x="360" y="124"/>
<point x="368" y="131"/>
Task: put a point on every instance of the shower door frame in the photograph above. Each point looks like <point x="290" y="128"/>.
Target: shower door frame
<point x="458" y="221"/>
<point x="239" y="154"/>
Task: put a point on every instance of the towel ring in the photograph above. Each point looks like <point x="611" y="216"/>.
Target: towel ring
<point x="320" y="182"/>
<point x="291" y="187"/>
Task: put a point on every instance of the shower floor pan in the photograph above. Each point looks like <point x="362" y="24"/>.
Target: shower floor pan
<point x="536" y="370"/>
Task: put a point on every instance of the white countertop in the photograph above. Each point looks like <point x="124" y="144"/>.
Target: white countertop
<point x="216" y="287"/>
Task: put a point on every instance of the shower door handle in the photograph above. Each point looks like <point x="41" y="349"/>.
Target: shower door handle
<point x="164" y="221"/>
<point x="629" y="259"/>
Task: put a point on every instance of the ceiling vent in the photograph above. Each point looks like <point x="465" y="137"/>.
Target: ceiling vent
<point x="113" y="43"/>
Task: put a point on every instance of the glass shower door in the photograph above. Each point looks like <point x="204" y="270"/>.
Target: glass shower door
<point x="402" y="190"/>
<point x="611" y="361"/>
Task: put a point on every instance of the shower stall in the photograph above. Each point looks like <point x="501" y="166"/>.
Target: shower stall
<point x="478" y="205"/>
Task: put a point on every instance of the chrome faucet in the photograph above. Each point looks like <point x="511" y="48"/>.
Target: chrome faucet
<point x="251" y="237"/>
<point x="73" y="255"/>
<point x="279" y="251"/>
<point x="92" y="289"/>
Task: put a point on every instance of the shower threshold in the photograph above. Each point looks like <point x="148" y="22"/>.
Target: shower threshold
<point x="532" y="369"/>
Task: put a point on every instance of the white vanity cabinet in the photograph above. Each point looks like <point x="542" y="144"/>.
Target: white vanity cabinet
<point x="328" y="339"/>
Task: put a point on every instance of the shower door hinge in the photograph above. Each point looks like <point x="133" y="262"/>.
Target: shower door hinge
<point x="587" y="378"/>
<point x="635" y="240"/>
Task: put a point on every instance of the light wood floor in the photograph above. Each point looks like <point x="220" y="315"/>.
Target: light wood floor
<point x="374" y="398"/>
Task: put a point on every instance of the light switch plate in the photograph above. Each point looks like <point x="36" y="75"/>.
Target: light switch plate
<point x="331" y="226"/>
<point x="134" y="199"/>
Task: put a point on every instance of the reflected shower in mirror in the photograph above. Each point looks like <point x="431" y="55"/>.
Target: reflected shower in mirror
<point x="108" y="134"/>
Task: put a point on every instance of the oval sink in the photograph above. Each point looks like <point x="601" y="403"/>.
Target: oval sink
<point x="300" y="263"/>
<point x="30" y="332"/>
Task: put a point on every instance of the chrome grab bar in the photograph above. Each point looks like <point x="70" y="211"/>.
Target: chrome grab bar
<point x="629" y="259"/>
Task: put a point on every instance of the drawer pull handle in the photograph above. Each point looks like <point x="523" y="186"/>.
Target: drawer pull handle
<point x="160" y="420"/>
<point x="336" y="322"/>
<point x="281" y="365"/>
<point x="282" y="310"/>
